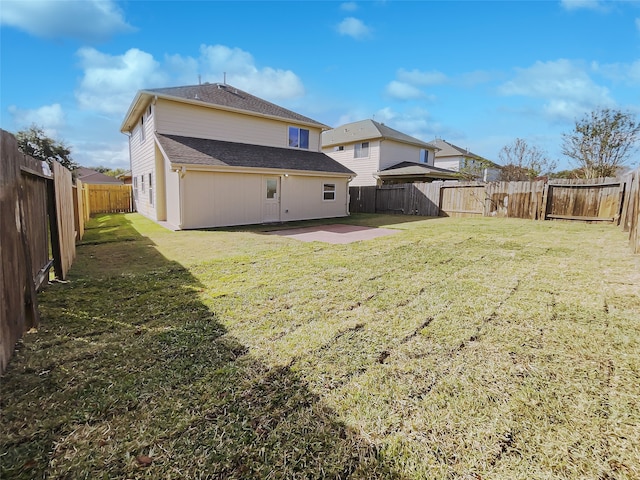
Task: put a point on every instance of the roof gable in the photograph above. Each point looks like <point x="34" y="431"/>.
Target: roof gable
<point x="217" y="95"/>
<point x="449" y="149"/>
<point x="368" y="130"/>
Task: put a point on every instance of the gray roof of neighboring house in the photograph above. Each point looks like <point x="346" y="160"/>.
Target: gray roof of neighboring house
<point x="221" y="95"/>
<point x="368" y="130"/>
<point x="417" y="169"/>
<point x="198" y="151"/>
<point x="87" y="175"/>
<point x="447" y="149"/>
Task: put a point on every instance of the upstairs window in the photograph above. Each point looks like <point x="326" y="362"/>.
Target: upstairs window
<point x="299" y="138"/>
<point x="361" y="150"/>
<point x="142" y="129"/>
<point x="424" y="156"/>
<point x="329" y="191"/>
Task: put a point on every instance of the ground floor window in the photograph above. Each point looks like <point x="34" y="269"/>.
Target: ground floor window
<point x="329" y="191"/>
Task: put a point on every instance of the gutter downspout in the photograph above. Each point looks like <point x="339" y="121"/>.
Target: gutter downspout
<point x="181" y="173"/>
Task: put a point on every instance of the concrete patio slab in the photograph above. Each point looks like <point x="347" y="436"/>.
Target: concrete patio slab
<point x="335" y="233"/>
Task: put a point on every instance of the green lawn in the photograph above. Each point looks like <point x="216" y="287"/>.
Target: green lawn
<point x="458" y="348"/>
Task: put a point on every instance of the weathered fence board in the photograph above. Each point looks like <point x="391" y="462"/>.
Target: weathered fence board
<point x="362" y="199"/>
<point x="631" y="216"/>
<point x="18" y="302"/>
<point x="392" y="199"/>
<point x="425" y="199"/>
<point x="584" y="201"/>
<point x="514" y="199"/>
<point x="462" y="200"/>
<point x="109" y="198"/>
<point x="78" y="209"/>
<point x="63" y="187"/>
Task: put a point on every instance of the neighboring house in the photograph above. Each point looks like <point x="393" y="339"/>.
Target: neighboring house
<point x="379" y="154"/>
<point x="86" y="175"/>
<point x="212" y="155"/>
<point x="125" y="177"/>
<point x="458" y="159"/>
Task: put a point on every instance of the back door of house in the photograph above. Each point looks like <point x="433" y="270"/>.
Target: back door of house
<point x="271" y="199"/>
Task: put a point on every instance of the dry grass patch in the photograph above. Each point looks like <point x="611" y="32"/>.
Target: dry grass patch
<point x="458" y="348"/>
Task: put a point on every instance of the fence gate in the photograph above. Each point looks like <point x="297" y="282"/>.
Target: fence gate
<point x="584" y="201"/>
<point x="462" y="200"/>
<point x="391" y="199"/>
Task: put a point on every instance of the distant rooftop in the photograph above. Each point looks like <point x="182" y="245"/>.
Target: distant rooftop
<point x="367" y="130"/>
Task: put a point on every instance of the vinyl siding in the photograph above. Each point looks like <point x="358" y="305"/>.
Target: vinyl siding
<point x="175" y="118"/>
<point x="143" y="163"/>
<point x="213" y="199"/>
<point x="450" y="163"/>
<point x="302" y="198"/>
<point x="392" y="153"/>
<point x="363" y="167"/>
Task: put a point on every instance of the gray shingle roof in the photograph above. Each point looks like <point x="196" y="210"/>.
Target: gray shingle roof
<point x="224" y="95"/>
<point x="198" y="151"/>
<point x="367" y="130"/>
<point x="413" y="168"/>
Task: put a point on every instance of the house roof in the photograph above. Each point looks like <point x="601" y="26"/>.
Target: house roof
<point x="412" y="169"/>
<point x="198" y="151"/>
<point x="447" y="149"/>
<point x="368" y="130"/>
<point x="218" y="95"/>
<point x="87" y="175"/>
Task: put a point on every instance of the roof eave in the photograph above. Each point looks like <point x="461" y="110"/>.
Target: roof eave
<point x="256" y="170"/>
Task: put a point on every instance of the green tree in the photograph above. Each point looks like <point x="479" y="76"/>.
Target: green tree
<point x="602" y="142"/>
<point x="35" y="143"/>
<point x="112" y="172"/>
<point x="522" y="162"/>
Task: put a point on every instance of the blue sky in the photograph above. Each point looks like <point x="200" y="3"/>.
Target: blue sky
<point x="478" y="74"/>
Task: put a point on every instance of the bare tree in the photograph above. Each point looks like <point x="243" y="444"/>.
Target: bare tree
<point x="522" y="161"/>
<point x="602" y="142"/>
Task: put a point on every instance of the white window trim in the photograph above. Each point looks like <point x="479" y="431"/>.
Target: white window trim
<point x="299" y="129"/>
<point x="355" y="150"/>
<point x="325" y="191"/>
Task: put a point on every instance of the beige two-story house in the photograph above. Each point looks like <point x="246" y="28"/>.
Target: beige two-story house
<point x="212" y="155"/>
<point x="381" y="155"/>
<point x="470" y="165"/>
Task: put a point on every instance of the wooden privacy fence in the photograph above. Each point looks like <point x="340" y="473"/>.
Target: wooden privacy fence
<point x="108" y="199"/>
<point x="36" y="233"/>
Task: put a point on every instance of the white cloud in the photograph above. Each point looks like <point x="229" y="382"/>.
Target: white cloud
<point x="49" y="117"/>
<point x="242" y="72"/>
<point x="403" y="91"/>
<point x="416" y="77"/>
<point x="87" y="20"/>
<point x="416" y="122"/>
<point x="109" y="82"/>
<point x="627" y="73"/>
<point x="349" y="6"/>
<point x="354" y="27"/>
<point x="564" y="85"/>
<point x="581" y="4"/>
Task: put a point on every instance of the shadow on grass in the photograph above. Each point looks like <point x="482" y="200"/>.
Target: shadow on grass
<point x="130" y="375"/>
